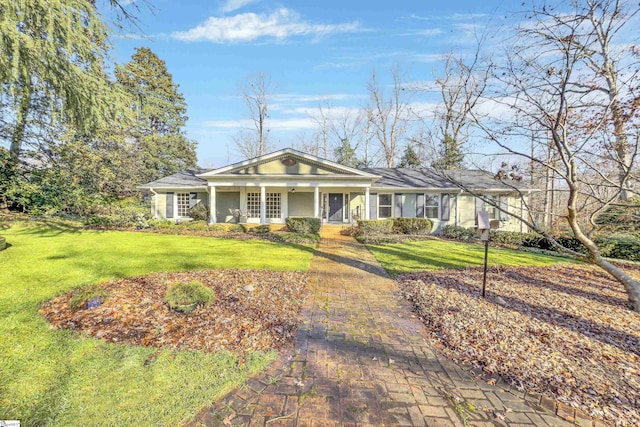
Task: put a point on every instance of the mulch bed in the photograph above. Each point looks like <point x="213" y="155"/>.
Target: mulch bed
<point x="253" y="310"/>
<point x="563" y="331"/>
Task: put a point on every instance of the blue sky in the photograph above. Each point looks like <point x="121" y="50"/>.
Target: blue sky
<point x="315" y="53"/>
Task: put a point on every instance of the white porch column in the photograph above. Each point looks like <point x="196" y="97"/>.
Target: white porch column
<point x="212" y="204"/>
<point x="316" y="202"/>
<point x="367" y="198"/>
<point x="263" y="204"/>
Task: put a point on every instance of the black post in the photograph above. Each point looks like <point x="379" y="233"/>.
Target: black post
<point x="484" y="277"/>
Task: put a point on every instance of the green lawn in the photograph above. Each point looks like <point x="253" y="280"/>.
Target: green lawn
<point x="407" y="257"/>
<point x="50" y="377"/>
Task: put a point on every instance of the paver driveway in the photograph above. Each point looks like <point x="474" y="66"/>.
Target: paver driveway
<point x="360" y="358"/>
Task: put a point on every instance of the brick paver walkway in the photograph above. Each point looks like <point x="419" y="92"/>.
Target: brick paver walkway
<point x="360" y="358"/>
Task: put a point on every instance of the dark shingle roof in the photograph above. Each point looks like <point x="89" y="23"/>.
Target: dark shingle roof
<point x="427" y="179"/>
<point x="184" y="178"/>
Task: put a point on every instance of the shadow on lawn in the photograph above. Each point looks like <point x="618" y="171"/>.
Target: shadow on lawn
<point x="605" y="334"/>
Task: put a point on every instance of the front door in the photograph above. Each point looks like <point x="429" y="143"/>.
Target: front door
<point x="335" y="207"/>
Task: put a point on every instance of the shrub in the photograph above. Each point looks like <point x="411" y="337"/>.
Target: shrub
<point x="413" y="225"/>
<point x="238" y="228"/>
<point x="620" y="247"/>
<point x="297" y="237"/>
<point x="185" y="297"/>
<point x="87" y="298"/>
<point x="303" y="225"/>
<point x="3" y="243"/>
<point x="195" y="226"/>
<point x="375" y="226"/>
<point x="260" y="229"/>
<point x="124" y="213"/>
<point x="199" y="212"/>
<point x="458" y="233"/>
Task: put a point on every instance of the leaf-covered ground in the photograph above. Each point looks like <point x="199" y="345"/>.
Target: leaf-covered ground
<point x="564" y="331"/>
<point x="253" y="310"/>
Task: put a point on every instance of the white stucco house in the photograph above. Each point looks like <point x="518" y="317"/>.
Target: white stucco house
<point x="272" y="187"/>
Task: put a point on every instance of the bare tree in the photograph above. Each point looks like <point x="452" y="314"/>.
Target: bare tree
<point x="548" y="93"/>
<point x="389" y="114"/>
<point x="256" y="96"/>
<point x="461" y="86"/>
<point x="322" y="120"/>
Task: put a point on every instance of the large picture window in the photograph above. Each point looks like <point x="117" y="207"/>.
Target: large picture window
<point x="384" y="205"/>
<point x="431" y="205"/>
<point x="183" y="204"/>
<point x="253" y="205"/>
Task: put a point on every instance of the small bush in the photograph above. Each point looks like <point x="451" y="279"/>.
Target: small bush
<point x="3" y="243"/>
<point x="413" y="225"/>
<point x="87" y="298"/>
<point x="297" y="238"/>
<point x="196" y="226"/>
<point x="238" y="228"/>
<point x="260" y="229"/>
<point x="185" y="297"/>
<point x="458" y="233"/>
<point x="303" y="225"/>
<point x="375" y="226"/>
<point x="199" y="212"/>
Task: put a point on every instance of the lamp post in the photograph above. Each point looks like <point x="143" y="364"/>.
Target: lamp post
<point x="484" y="226"/>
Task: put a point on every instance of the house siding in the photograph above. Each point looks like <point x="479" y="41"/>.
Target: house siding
<point x="300" y="204"/>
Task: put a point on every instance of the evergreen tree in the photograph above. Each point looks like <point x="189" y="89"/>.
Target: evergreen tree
<point x="409" y="158"/>
<point x="451" y="156"/>
<point x="52" y="65"/>
<point x="160" y="111"/>
<point x="345" y="154"/>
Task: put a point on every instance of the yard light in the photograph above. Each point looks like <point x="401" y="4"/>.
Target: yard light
<point x="484" y="225"/>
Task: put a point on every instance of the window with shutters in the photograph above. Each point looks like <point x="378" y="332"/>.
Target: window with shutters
<point x="384" y="205"/>
<point x="183" y="204"/>
<point x="431" y="206"/>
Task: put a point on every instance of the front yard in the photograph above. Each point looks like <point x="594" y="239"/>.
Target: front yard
<point x="547" y="326"/>
<point x="62" y="377"/>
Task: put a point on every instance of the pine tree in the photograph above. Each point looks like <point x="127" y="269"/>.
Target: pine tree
<point x="451" y="156"/>
<point x="160" y="111"/>
<point x="409" y="158"/>
<point x="345" y="154"/>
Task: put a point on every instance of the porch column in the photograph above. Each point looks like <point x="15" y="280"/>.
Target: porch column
<point x="366" y="203"/>
<point x="263" y="204"/>
<point x="212" y="204"/>
<point x="316" y="202"/>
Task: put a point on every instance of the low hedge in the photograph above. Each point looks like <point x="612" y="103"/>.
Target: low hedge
<point x="620" y="247"/>
<point x="375" y="226"/>
<point x="303" y="225"/>
<point x="413" y="225"/>
<point x="260" y="229"/>
<point x="457" y="232"/>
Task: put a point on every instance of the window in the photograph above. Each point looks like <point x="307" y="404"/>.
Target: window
<point x="384" y="205"/>
<point x="183" y="204"/>
<point x="273" y="205"/>
<point x="253" y="205"/>
<point x="431" y="204"/>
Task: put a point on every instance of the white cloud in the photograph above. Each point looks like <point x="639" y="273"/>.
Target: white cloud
<point x="231" y="5"/>
<point x="246" y="27"/>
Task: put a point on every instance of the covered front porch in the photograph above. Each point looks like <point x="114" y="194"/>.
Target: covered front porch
<point x="272" y="204"/>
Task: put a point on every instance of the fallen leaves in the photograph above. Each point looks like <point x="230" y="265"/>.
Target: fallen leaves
<point x="563" y="331"/>
<point x="239" y="320"/>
